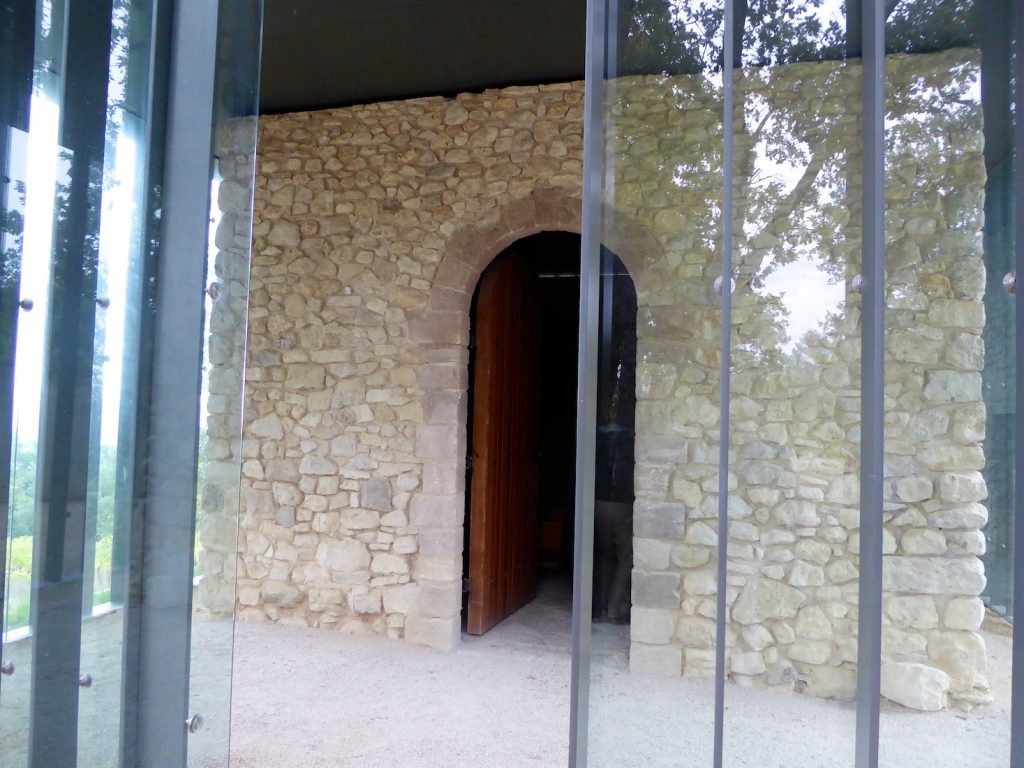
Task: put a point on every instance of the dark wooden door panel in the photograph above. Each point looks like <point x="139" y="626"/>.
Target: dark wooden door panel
<point x="503" y="535"/>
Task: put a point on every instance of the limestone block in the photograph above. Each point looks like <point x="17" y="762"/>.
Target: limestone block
<point x="269" y="427"/>
<point x="911" y="489"/>
<point x="401" y="598"/>
<point x="284" y="234"/>
<point x="305" y="376"/>
<point x="442" y="634"/>
<point x="359" y="519"/>
<point x="655" y="589"/>
<point x="653" y="626"/>
<point x="700" y="582"/>
<point x="662" y="660"/>
<point x="440" y="599"/>
<point x="651" y="554"/>
<point x="917" y="686"/>
<point x="286" y="494"/>
<point x="703" y="534"/>
<point x="376" y="494"/>
<point x="747" y="663"/>
<point x="342" y="555"/>
<point x="281" y="593"/>
<point x="830" y="682"/>
<point x="804" y="574"/>
<point x="384" y="562"/>
<point x="812" y="623"/>
<point x="369" y="603"/>
<point x="966" y="542"/>
<point x="698" y="662"/>
<point x="961" y="654"/>
<point x="814" y="551"/>
<point x="658" y="521"/>
<point x="763" y="599"/>
<point x="954" y="313"/>
<point x="923" y="541"/>
<point x="962" y="487"/>
<point x="963" y="516"/>
<point x="757" y="637"/>
<point x="933" y="575"/>
<point x="965" y="613"/>
<point x="317" y="465"/>
<point x="810" y="651"/>
<point x="915" y="611"/>
<point x="688" y="556"/>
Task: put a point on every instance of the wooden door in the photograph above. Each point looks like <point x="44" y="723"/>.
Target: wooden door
<point x="504" y="515"/>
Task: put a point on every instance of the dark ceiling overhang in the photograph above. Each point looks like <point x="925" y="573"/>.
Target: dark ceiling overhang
<point x="327" y="53"/>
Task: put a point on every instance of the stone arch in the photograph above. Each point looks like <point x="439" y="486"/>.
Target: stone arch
<point x="441" y="335"/>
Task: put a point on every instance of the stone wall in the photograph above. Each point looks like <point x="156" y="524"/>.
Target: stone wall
<point x="371" y="226"/>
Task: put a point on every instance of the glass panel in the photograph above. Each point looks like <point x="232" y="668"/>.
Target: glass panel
<point x="82" y="207"/>
<point x="794" y="390"/>
<point x="115" y="373"/>
<point x="652" y="643"/>
<point x="950" y="418"/>
<point x="220" y="445"/>
<point x="38" y="168"/>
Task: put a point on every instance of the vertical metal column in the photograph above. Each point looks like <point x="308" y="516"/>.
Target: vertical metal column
<point x="869" y="648"/>
<point x="161" y="601"/>
<point x="586" y="402"/>
<point x="63" y="455"/>
<point x="17" y="48"/>
<point x="725" y="357"/>
<point x="1017" y="711"/>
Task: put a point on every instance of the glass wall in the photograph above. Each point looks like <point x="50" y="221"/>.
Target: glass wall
<point x="100" y="495"/>
<point x="815" y="204"/>
<point x="652" y="658"/>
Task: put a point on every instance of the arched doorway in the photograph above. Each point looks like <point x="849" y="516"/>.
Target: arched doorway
<point x="522" y="432"/>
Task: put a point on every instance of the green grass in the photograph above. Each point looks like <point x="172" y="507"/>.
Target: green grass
<point x="19" y="561"/>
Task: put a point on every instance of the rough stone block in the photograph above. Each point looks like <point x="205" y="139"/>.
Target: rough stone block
<point x="933" y="575"/>
<point x="428" y="511"/>
<point x="442" y="634"/>
<point x="376" y="494"/>
<point x="917" y="686"/>
<point x="655" y="590"/>
<point x="653" y="626"/>
<point x="662" y="660"/>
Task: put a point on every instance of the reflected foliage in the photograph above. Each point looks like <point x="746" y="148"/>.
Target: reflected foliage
<point x="674" y="37"/>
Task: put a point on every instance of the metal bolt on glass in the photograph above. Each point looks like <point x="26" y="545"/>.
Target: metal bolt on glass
<point x="26" y="304"/>
<point x="194" y="724"/>
<point x="85" y="681"/>
<point x="7" y="669"/>
<point x="1010" y="282"/>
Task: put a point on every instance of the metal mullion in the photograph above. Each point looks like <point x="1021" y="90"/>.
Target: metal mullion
<point x="17" y="50"/>
<point x="64" y="424"/>
<point x="869" y="643"/>
<point x="169" y="426"/>
<point x="1017" y="711"/>
<point x="126" y="570"/>
<point x="586" y="403"/>
<point x="725" y="356"/>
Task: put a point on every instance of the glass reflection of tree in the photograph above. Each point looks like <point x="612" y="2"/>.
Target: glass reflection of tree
<point x="797" y="158"/>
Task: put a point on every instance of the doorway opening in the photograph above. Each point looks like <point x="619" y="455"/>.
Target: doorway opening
<point x="520" y="477"/>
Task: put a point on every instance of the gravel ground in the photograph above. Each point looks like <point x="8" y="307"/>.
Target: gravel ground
<point x="314" y="698"/>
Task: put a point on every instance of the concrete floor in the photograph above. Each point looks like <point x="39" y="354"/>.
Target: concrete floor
<point x="313" y="699"/>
